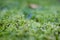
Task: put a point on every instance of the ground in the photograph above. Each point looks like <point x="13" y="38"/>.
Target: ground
<point x="20" y="22"/>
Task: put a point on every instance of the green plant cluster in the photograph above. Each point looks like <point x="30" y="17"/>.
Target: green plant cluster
<point x="44" y="24"/>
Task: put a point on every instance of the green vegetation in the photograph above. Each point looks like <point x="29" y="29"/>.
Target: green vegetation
<point x="19" y="22"/>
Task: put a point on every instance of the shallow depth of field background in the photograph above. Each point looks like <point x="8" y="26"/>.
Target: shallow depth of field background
<point x="20" y="22"/>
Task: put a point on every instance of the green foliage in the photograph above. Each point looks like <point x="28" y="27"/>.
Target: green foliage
<point x="15" y="24"/>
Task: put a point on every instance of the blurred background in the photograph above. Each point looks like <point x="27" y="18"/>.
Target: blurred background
<point x="29" y="19"/>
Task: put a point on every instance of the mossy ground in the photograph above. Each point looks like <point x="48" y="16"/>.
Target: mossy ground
<point x="16" y="22"/>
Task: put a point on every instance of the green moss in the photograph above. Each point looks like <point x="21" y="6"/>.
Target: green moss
<point x="44" y="23"/>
